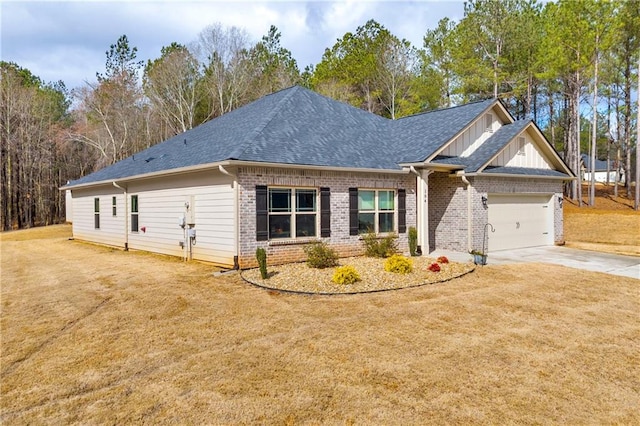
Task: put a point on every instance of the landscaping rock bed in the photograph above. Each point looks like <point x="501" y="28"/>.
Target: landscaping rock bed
<point x="300" y="278"/>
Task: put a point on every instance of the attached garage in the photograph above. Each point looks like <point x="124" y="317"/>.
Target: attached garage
<point x="520" y="220"/>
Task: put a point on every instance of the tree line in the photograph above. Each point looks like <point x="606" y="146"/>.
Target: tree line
<point x="570" y="66"/>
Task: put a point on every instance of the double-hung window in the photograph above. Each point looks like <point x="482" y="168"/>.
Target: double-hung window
<point x="114" y="210"/>
<point x="96" y="213"/>
<point x="134" y="213"/>
<point x="376" y="211"/>
<point x="292" y="213"/>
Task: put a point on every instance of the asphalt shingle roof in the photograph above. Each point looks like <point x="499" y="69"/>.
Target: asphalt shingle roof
<point x="298" y="126"/>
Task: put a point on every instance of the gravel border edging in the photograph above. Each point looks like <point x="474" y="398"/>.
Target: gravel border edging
<point x="380" y="290"/>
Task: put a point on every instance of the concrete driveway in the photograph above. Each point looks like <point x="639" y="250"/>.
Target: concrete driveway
<point x="626" y="266"/>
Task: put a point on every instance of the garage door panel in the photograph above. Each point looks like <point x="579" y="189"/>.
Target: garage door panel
<point x="519" y="221"/>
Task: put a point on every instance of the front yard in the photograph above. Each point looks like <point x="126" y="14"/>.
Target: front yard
<point x="94" y="335"/>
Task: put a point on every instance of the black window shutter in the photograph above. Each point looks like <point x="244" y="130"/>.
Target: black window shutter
<point x="402" y="211"/>
<point x="325" y="212"/>
<point x="353" y="211"/>
<point x="262" y="228"/>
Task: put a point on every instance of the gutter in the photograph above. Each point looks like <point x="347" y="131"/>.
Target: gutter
<point x="126" y="215"/>
<point x="236" y="219"/>
<point x="225" y="163"/>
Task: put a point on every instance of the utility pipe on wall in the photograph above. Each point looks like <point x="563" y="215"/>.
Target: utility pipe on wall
<point x="126" y="215"/>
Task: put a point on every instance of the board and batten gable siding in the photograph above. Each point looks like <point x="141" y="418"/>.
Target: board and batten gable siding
<point x="112" y="228"/>
<point x="338" y="183"/>
<point x="512" y="156"/>
<point x="466" y="143"/>
<point x="161" y="202"/>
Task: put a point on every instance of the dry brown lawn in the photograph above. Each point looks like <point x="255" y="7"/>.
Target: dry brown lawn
<point x="92" y="335"/>
<point x="611" y="225"/>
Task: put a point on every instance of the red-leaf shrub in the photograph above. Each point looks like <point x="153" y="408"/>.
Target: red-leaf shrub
<point x="443" y="259"/>
<point x="434" y="267"/>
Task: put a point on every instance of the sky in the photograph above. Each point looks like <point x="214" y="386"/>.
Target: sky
<point x="67" y="40"/>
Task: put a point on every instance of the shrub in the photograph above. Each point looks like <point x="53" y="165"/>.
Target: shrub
<point x="413" y="240"/>
<point x="443" y="259"/>
<point x="434" y="267"/>
<point x="398" y="264"/>
<point x="345" y="275"/>
<point x="261" y="255"/>
<point x="320" y="255"/>
<point x="379" y="247"/>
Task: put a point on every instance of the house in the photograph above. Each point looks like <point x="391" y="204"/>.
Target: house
<point x="601" y="170"/>
<point x="295" y="167"/>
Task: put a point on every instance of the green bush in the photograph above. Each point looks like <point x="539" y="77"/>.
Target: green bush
<point x="320" y="255"/>
<point x="261" y="255"/>
<point x="413" y="240"/>
<point x="379" y="247"/>
<point x="345" y="275"/>
<point x="398" y="264"/>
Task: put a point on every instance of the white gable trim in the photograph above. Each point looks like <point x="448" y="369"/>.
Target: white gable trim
<point x="539" y="143"/>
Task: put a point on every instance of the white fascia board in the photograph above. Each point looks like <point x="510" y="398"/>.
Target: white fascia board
<point x="509" y="175"/>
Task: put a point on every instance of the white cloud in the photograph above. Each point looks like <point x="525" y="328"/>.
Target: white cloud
<point x="68" y="40"/>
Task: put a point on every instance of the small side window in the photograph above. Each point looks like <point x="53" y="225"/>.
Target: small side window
<point x="114" y="210"/>
<point x="96" y="213"/>
<point x="134" y="213"/>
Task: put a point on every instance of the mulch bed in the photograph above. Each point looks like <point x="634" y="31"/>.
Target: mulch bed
<point x="300" y="278"/>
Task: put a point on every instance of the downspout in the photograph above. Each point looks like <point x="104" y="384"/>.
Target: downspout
<point x="126" y="216"/>
<point x="236" y="219"/>
<point x="469" y="211"/>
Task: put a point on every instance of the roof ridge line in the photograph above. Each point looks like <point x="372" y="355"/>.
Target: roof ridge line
<point x="238" y="152"/>
<point x="447" y="108"/>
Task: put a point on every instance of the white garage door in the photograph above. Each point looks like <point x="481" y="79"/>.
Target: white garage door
<point x="520" y="220"/>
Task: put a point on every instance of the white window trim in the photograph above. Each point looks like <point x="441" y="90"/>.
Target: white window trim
<point x="136" y="213"/>
<point x="96" y="212"/>
<point x="377" y="211"/>
<point x="293" y="213"/>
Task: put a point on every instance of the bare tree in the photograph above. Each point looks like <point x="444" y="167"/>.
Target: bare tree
<point x="223" y="54"/>
<point x="172" y="85"/>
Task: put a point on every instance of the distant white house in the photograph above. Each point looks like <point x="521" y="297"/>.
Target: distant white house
<point x="600" y="174"/>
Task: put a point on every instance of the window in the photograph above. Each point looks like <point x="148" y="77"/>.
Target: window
<point x="488" y="122"/>
<point x="96" y="213"/>
<point x="292" y="212"/>
<point x="113" y="207"/>
<point x="376" y="211"/>
<point x="134" y="213"/>
<point x="521" y="144"/>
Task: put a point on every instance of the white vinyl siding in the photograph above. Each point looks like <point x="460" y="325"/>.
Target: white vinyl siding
<point x="111" y="230"/>
<point x="161" y="202"/>
<point x="521" y="152"/>
<point x="481" y="130"/>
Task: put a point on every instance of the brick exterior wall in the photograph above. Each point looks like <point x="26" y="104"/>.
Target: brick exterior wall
<point x="448" y="222"/>
<point x="283" y="251"/>
<point x="448" y="197"/>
